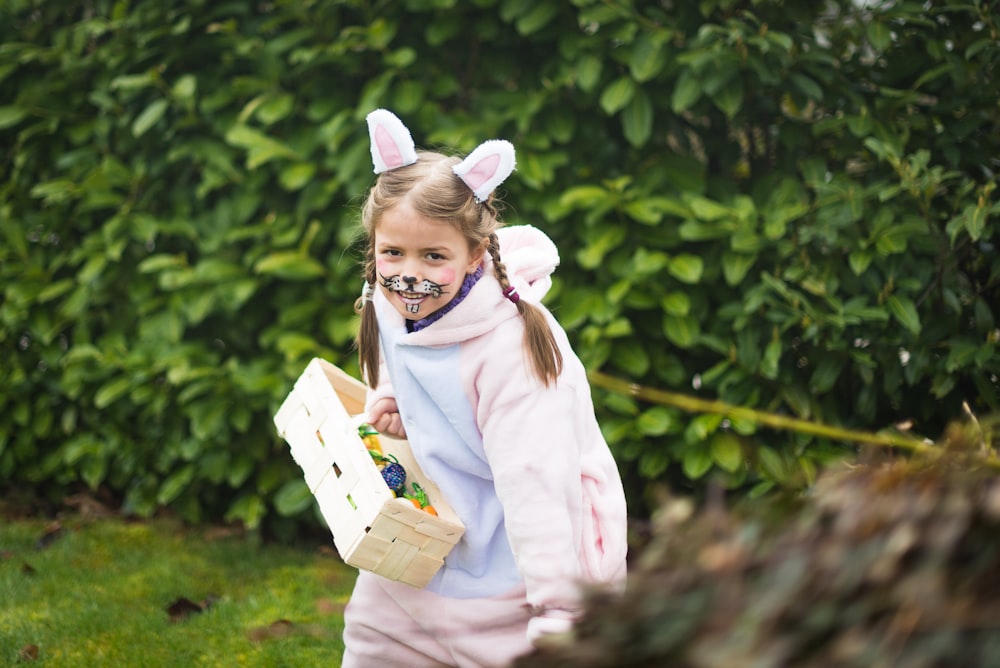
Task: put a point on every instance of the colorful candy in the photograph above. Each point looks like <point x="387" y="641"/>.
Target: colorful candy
<point x="393" y="472"/>
<point x="419" y="499"/>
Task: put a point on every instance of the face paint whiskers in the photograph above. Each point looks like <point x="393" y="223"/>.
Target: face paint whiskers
<point x="412" y="291"/>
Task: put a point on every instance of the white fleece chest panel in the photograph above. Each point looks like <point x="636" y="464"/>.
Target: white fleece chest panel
<point x="441" y="427"/>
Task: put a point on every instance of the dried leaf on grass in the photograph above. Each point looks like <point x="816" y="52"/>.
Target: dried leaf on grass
<point x="182" y="608"/>
<point x="28" y="653"/>
<point x="284" y="628"/>
<point x="89" y="506"/>
<point x="327" y="606"/>
<point x="51" y="534"/>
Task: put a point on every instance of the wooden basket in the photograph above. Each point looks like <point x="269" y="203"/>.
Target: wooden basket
<point x="371" y="528"/>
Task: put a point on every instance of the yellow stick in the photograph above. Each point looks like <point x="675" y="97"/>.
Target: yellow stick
<point x="695" y="405"/>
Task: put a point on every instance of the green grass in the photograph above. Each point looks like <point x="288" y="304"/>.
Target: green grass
<point x="98" y="595"/>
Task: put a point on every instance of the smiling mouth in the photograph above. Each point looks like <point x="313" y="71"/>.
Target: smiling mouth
<point x="412" y="300"/>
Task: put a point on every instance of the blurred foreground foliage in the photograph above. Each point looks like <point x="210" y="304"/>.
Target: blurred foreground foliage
<point x="885" y="562"/>
<point x="789" y="206"/>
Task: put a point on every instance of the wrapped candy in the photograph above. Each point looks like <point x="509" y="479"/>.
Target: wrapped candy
<point x="393" y="472"/>
<point x="419" y="499"/>
<point x="370" y="438"/>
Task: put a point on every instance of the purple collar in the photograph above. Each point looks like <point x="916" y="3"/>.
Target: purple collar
<point x="470" y="280"/>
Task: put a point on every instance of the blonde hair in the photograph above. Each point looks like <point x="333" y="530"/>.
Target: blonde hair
<point x="433" y="191"/>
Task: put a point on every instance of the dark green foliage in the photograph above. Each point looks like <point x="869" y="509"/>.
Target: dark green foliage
<point x="785" y="205"/>
<point x="882" y="564"/>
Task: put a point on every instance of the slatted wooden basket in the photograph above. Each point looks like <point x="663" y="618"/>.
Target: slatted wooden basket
<point x="371" y="529"/>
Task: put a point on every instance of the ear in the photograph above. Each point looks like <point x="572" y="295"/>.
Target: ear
<point x="391" y="143"/>
<point x="486" y="167"/>
<point x="476" y="258"/>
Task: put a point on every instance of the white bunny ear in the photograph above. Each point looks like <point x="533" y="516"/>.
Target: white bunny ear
<point x="486" y="167"/>
<point x="392" y="145"/>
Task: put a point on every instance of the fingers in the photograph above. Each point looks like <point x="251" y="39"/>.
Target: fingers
<point x="384" y="418"/>
<point x="391" y="424"/>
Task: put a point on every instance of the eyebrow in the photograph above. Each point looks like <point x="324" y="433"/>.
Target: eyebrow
<point x="426" y="249"/>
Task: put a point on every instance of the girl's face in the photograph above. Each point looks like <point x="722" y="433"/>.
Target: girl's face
<point x="421" y="262"/>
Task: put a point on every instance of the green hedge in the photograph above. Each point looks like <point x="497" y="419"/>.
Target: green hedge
<point x="785" y="205"/>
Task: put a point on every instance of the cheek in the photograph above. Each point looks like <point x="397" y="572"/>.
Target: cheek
<point x="382" y="266"/>
<point x="447" y="276"/>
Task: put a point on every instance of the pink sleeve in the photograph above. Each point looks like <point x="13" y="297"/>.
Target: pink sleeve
<point x="530" y="444"/>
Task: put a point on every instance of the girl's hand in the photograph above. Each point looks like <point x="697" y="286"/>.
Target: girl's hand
<point x="384" y="417"/>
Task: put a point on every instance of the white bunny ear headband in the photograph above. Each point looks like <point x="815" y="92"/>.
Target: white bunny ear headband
<point x="482" y="170"/>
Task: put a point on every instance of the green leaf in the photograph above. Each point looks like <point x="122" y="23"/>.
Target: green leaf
<point x="687" y="91"/>
<point x="905" y="312"/>
<point x="681" y="331"/>
<point x="693" y="230"/>
<point x="827" y="371"/>
<point x="162" y="261"/>
<point x="602" y="242"/>
<point x="297" y="175"/>
<point x="769" y="363"/>
<point x="859" y="261"/>
<point x="807" y="86"/>
<point x="185" y="87"/>
<point x="735" y="266"/>
<point x="879" y="35"/>
<point x="618" y="94"/>
<point x="772" y="465"/>
<point x="149" y="117"/>
<point x="249" y="509"/>
<point x="648" y="56"/>
<point x="645" y="263"/>
<point x="260" y="147"/>
<point x="653" y="463"/>
<point x="974" y="219"/>
<point x="637" y="120"/>
<point x="686" y="268"/>
<point x="290" y="265"/>
<point x="617" y="328"/>
<point x="697" y="462"/>
<point x="700" y="427"/>
<point x="111" y="391"/>
<point x="275" y="108"/>
<point x="630" y="358"/>
<point x="708" y="210"/>
<point x="292" y="498"/>
<point x="588" y="72"/>
<point x="57" y="289"/>
<point x="726" y="451"/>
<point x="11" y="116"/>
<point x="656" y="421"/>
<point x="729" y="98"/>
<point x="174" y="485"/>
<point x="536" y="19"/>
<point x="584" y="197"/>
<point x="133" y="81"/>
<point x="676" y="303"/>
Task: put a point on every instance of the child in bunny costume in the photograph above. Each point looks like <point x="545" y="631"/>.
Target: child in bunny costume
<point x="464" y="361"/>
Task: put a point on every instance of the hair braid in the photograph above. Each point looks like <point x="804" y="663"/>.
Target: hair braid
<point x="367" y="339"/>
<point x="546" y="359"/>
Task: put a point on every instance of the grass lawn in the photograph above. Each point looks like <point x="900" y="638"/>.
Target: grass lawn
<point x="100" y="592"/>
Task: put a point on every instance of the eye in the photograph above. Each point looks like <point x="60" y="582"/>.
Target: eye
<point x="392" y="252"/>
<point x="436" y="257"/>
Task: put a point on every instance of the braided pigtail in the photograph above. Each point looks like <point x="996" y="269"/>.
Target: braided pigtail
<point x="367" y="339"/>
<point x="546" y="360"/>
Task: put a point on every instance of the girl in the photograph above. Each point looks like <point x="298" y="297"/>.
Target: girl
<point x="464" y="361"/>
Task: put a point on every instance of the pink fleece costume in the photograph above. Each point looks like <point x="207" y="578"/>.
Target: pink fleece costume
<point x="523" y="465"/>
